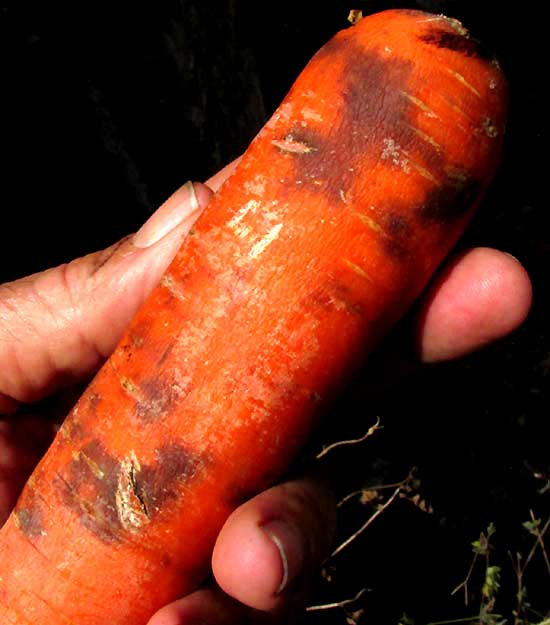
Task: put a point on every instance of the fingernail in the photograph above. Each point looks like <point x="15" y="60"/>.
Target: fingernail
<point x="289" y="543"/>
<point x="178" y="208"/>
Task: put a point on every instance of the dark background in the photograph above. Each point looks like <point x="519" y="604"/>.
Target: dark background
<point x="106" y="109"/>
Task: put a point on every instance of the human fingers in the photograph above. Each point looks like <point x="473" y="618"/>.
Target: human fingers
<point x="480" y="296"/>
<point x="57" y="326"/>
<point x="52" y="326"/>
<point x="216" y="181"/>
<point x="263" y="559"/>
<point x="208" y="605"/>
<point x="268" y="548"/>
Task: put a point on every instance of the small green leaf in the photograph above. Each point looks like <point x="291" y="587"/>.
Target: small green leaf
<point x="406" y="620"/>
<point x="532" y="525"/>
<point x="492" y="582"/>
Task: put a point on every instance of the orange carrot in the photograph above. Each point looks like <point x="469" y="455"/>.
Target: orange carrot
<point x="328" y="230"/>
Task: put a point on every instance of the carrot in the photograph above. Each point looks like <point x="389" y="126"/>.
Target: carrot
<point x="328" y="230"/>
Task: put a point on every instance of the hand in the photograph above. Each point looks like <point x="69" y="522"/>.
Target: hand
<point x="57" y="327"/>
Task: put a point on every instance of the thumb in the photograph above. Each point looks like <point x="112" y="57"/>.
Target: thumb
<point x="57" y="326"/>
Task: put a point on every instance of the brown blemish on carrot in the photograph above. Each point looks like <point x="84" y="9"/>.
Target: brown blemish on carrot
<point x="29" y="520"/>
<point x="156" y="397"/>
<point x="396" y="250"/>
<point x="88" y="487"/>
<point x="398" y="226"/>
<point x="449" y="202"/>
<point x="398" y="232"/>
<point x="71" y="429"/>
<point x="394" y="232"/>
<point x="371" y="80"/>
<point x="374" y="108"/>
<point x="459" y="42"/>
<point x="111" y="496"/>
<point x="375" y="113"/>
<point x="160" y="481"/>
<point x="153" y="396"/>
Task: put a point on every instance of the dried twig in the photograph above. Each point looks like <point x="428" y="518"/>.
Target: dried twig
<point x="540" y="541"/>
<point x="481" y="548"/>
<point x="337" y="604"/>
<point x="467" y="619"/>
<point x="520" y="568"/>
<point x="375" y="488"/>
<point x="369" y="522"/>
<point x="464" y="584"/>
<point x="352" y="441"/>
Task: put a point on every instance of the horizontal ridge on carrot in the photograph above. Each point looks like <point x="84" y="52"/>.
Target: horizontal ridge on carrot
<point x="332" y="224"/>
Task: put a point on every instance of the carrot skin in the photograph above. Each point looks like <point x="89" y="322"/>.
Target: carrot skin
<point x="330" y="227"/>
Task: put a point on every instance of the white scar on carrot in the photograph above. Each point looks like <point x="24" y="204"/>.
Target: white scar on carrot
<point x="131" y="510"/>
<point x="250" y="206"/>
<point x="420" y="104"/>
<point x="260" y="247"/>
<point x="256" y="186"/>
<point x="463" y="80"/>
